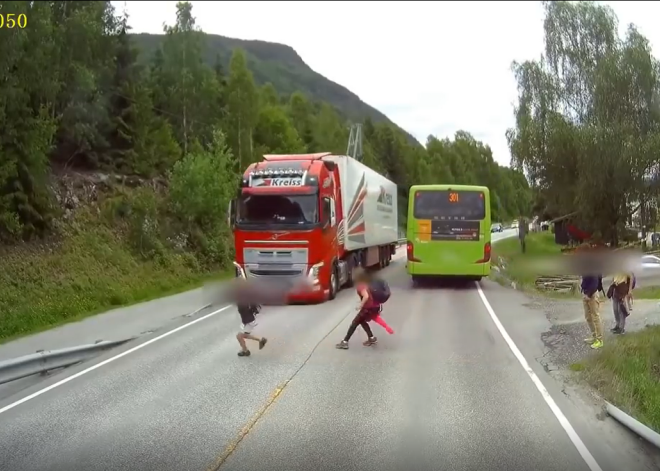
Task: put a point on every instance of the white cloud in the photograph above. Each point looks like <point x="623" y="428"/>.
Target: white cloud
<point x="431" y="67"/>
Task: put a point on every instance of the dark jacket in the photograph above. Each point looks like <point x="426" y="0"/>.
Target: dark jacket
<point x="591" y="284"/>
<point x="622" y="289"/>
<point x="248" y="312"/>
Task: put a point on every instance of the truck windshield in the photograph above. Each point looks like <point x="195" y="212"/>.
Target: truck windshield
<point x="278" y="209"/>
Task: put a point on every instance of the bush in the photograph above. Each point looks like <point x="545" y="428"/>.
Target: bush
<point x="201" y="186"/>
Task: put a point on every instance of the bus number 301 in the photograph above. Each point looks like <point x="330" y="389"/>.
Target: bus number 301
<point x="453" y="197"/>
<point x="12" y="20"/>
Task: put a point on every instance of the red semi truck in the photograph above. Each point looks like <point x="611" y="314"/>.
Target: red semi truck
<point x="313" y="218"/>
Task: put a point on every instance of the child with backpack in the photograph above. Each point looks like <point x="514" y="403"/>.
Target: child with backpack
<point x="373" y="293"/>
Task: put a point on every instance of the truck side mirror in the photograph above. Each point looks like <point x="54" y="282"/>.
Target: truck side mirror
<point x="231" y="213"/>
<point x="333" y="216"/>
<point x="325" y="212"/>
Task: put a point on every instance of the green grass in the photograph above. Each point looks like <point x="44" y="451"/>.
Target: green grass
<point x="647" y="292"/>
<point x="626" y="371"/>
<point x="92" y="269"/>
<point x="540" y="244"/>
<point x="516" y="263"/>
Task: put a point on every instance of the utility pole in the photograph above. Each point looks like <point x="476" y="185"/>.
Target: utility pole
<point x="355" y="142"/>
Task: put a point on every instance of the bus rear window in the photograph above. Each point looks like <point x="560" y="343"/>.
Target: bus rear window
<point x="449" y="205"/>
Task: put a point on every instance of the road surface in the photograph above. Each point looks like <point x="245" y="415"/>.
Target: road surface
<point x="445" y="392"/>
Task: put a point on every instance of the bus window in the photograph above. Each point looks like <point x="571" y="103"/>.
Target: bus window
<point x="449" y="205"/>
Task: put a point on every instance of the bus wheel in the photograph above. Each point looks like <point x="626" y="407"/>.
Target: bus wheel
<point x="477" y="278"/>
<point x="416" y="281"/>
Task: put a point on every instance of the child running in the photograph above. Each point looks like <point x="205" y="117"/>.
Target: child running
<point x="373" y="293"/>
<point x="248" y="314"/>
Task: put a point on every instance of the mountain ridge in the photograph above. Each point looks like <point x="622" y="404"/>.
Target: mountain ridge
<point x="280" y="65"/>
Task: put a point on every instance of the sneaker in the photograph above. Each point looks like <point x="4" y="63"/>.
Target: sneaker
<point x="244" y="353"/>
<point x="262" y="342"/>
<point x="369" y="342"/>
<point x="597" y="344"/>
<point x="590" y="340"/>
<point x="620" y="331"/>
<point x="615" y="330"/>
<point x="343" y="345"/>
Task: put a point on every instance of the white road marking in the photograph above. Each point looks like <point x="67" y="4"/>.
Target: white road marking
<point x="570" y="431"/>
<point x="110" y="360"/>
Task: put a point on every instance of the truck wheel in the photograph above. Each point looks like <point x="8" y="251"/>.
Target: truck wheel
<point x="334" y="284"/>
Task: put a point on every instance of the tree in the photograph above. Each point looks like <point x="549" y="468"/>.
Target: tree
<point x="275" y="134"/>
<point x="587" y="127"/>
<point x="186" y="90"/>
<point x="242" y="109"/>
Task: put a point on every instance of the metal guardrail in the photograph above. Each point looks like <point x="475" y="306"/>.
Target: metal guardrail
<point x="633" y="424"/>
<point x="44" y="361"/>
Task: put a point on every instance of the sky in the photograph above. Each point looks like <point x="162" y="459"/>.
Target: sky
<point x="431" y="67"/>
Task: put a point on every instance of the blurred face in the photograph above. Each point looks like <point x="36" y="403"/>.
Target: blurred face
<point x="361" y="277"/>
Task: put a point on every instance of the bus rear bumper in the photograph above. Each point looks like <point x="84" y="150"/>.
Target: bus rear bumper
<point x="429" y="269"/>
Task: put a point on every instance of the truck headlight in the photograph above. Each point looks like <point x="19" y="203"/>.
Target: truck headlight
<point x="239" y="270"/>
<point x="314" y="271"/>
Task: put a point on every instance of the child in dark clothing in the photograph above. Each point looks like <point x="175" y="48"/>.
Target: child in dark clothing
<point x="248" y="314"/>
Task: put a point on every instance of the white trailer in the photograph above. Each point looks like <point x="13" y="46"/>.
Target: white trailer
<point x="369" y="219"/>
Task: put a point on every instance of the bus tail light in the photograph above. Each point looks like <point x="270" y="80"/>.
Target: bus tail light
<point x="486" y="257"/>
<point x="410" y="251"/>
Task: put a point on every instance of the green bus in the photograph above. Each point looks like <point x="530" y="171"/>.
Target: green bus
<point x="448" y="231"/>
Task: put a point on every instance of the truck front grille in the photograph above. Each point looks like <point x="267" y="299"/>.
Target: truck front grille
<point x="267" y="272"/>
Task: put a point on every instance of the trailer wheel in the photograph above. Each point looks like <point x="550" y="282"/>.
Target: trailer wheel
<point x="334" y="283"/>
<point x="351" y="266"/>
<point x="381" y="258"/>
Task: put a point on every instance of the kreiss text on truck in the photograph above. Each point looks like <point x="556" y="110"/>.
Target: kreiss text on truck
<point x="313" y="217"/>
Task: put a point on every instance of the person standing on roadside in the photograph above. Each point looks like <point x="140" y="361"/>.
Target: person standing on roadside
<point x="590" y="286"/>
<point x="619" y="292"/>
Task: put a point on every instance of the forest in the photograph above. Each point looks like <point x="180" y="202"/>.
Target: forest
<point x="115" y="173"/>
<point x="587" y="130"/>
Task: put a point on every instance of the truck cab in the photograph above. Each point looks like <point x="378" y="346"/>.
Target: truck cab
<point x="285" y="223"/>
<point x="308" y="220"/>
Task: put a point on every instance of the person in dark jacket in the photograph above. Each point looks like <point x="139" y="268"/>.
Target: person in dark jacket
<point x="590" y="286"/>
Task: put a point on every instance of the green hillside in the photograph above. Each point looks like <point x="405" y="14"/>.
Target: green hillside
<point x="278" y="64"/>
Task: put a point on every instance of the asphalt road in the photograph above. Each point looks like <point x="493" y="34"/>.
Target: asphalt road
<point x="445" y="392"/>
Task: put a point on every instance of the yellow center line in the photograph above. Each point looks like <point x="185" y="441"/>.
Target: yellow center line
<point x="231" y="447"/>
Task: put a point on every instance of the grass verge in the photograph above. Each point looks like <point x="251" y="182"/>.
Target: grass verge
<point x="513" y="264"/>
<point x="508" y="256"/>
<point x="626" y="372"/>
<point x="91" y="270"/>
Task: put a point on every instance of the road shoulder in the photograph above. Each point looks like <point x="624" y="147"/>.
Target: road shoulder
<point x="117" y="324"/>
<point x="531" y="324"/>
